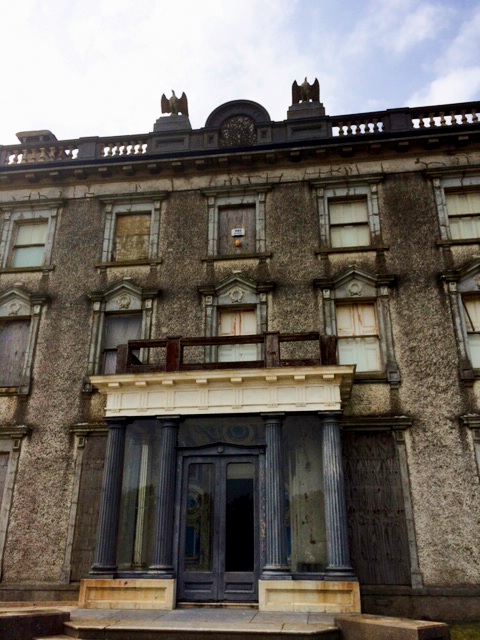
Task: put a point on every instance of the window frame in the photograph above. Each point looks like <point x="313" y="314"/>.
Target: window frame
<point x="11" y="439"/>
<point x="364" y="188"/>
<point x="218" y="199"/>
<point x="150" y="203"/>
<point x="125" y="298"/>
<point x="16" y="214"/>
<point x="234" y="293"/>
<point x="453" y="184"/>
<point x="15" y="305"/>
<point x="355" y="286"/>
<point x="463" y="285"/>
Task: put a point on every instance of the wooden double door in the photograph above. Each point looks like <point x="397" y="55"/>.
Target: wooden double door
<point x="219" y="527"/>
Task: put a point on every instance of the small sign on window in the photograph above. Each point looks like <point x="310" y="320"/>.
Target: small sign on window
<point x="238" y="232"/>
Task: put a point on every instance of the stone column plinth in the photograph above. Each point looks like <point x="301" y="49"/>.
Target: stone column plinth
<point x="335" y="509"/>
<point x="276" y="566"/>
<point x="162" y="563"/>
<point x="106" y="551"/>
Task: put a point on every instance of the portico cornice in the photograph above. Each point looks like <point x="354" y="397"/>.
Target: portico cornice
<point x="232" y="391"/>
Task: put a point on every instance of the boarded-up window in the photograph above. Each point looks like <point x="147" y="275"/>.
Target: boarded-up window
<point x="375" y="508"/>
<point x="237" y="322"/>
<point x="119" y="329"/>
<point x="132" y="237"/>
<point x="236" y="229"/>
<point x="464" y="214"/>
<point x="472" y="318"/>
<point x="349" y="223"/>
<point x="28" y="248"/>
<point x="13" y="346"/>
<point x="86" y="522"/>
<point x="358" y="339"/>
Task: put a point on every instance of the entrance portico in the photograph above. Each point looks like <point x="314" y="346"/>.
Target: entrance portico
<point x="203" y="496"/>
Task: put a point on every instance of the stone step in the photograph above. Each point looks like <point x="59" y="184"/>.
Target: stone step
<point x="28" y="624"/>
<point x="158" y="630"/>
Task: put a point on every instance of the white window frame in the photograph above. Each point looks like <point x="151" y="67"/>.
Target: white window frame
<point x="354" y="189"/>
<point x="145" y="203"/>
<point x="358" y="337"/>
<point x="123" y="297"/>
<point x="16" y="304"/>
<point x="20" y="213"/>
<point x="234" y="292"/>
<point x="355" y="286"/>
<point x="229" y="197"/>
<point x="453" y="184"/>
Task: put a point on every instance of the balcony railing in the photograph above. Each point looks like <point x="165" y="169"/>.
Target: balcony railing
<point x="132" y="147"/>
<point x="190" y="354"/>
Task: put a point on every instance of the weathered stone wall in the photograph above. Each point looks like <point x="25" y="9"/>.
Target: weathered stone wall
<point x="443" y="474"/>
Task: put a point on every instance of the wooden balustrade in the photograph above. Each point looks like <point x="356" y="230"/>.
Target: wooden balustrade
<point x="174" y="359"/>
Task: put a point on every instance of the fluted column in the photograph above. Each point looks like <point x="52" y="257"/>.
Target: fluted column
<point x="338" y="566"/>
<point x="162" y="552"/>
<point x="276" y="566"/>
<point x="106" y="551"/>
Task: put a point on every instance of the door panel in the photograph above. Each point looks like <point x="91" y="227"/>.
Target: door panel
<point x="218" y="529"/>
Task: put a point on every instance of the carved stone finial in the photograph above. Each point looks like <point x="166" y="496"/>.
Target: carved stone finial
<point x="305" y="92"/>
<point x="174" y="105"/>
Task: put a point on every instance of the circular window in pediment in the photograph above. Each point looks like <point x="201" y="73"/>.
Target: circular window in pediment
<point x="238" y="131"/>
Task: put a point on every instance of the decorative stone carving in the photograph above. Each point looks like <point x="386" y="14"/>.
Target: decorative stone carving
<point x="236" y="295"/>
<point x="174" y="105"/>
<point x="124" y="301"/>
<point x="355" y="289"/>
<point x="13" y="308"/>
<point x="305" y="92"/>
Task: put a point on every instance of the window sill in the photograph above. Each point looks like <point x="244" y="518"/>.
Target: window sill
<point x="238" y="256"/>
<point x="45" y="269"/>
<point x="13" y="391"/>
<point x="129" y="263"/>
<point x="448" y="243"/>
<point x="328" y="250"/>
<point x="370" y="377"/>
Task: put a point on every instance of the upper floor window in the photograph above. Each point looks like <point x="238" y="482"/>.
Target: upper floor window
<point x="121" y="313"/>
<point x="458" y="205"/>
<point x="132" y="229"/>
<point x="236" y="221"/>
<point x="464" y="293"/>
<point x="348" y="214"/>
<point x="19" y="322"/>
<point x="27" y="235"/>
<point x="356" y="311"/>
<point x="358" y="337"/>
<point x="237" y="306"/>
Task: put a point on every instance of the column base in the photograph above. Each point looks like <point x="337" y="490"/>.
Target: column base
<point x="162" y="571"/>
<point x="339" y="572"/>
<point x="309" y="596"/>
<point x="100" y="593"/>
<point x="276" y="572"/>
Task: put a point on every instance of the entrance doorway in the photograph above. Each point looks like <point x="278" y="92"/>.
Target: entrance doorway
<point x="219" y="539"/>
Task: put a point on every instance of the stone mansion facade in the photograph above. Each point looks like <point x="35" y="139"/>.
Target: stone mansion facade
<point x="241" y="363"/>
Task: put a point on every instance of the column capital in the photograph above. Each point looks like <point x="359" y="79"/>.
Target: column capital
<point x="118" y="423"/>
<point x="273" y="416"/>
<point x="330" y="416"/>
<point x="168" y="421"/>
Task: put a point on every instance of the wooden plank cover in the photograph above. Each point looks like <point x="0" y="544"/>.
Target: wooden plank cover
<point x="375" y="508"/>
<point x="85" y="536"/>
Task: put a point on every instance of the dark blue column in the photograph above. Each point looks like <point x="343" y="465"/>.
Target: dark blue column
<point x="162" y="553"/>
<point x="106" y="551"/>
<point x="276" y="566"/>
<point x="339" y="567"/>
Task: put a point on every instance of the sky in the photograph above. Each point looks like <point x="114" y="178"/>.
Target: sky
<point x="99" y="67"/>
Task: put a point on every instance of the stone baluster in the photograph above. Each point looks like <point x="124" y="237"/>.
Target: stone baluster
<point x="338" y="566"/>
<point x="276" y="566"/>
<point x="162" y="552"/>
<point x="106" y="551"/>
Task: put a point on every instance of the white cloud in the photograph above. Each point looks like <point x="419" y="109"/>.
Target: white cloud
<point x="459" y="85"/>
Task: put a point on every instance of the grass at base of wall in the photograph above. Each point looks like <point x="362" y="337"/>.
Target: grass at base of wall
<point x="465" y="631"/>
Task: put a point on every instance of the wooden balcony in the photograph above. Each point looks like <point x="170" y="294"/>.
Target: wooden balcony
<point x="201" y="353"/>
